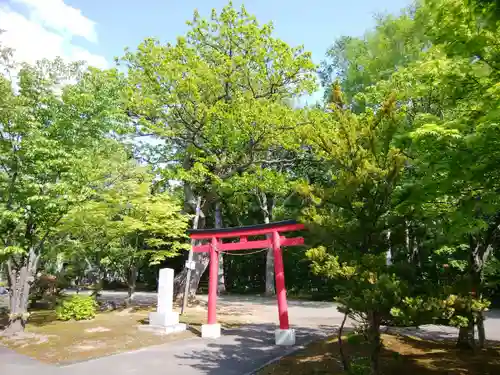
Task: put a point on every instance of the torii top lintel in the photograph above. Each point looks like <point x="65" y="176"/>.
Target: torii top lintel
<point x="244" y="232"/>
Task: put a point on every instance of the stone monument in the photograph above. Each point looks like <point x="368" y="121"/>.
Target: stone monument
<point x="164" y="320"/>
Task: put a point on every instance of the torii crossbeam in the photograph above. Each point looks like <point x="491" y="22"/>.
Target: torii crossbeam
<point x="214" y="243"/>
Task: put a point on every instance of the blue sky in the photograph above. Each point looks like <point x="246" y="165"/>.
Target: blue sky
<point x="315" y="23"/>
<point x="98" y="30"/>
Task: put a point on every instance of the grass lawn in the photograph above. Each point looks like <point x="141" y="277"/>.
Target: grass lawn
<point x="401" y="355"/>
<point x="56" y="342"/>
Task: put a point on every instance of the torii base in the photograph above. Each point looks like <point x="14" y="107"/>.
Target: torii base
<point x="284" y="337"/>
<point x="210" y="331"/>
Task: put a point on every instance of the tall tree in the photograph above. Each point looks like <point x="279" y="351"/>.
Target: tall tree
<point x="451" y="98"/>
<point x="130" y="225"/>
<point x="266" y="188"/>
<point x="441" y="62"/>
<point x="359" y="63"/>
<point x="216" y="98"/>
<point x="351" y="209"/>
<point x="54" y="150"/>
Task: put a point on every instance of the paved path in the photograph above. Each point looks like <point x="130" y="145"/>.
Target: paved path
<point x="238" y="352"/>
<point x="12" y="363"/>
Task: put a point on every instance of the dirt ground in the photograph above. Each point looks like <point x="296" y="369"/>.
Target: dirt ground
<point x="400" y="355"/>
<point x="56" y="342"/>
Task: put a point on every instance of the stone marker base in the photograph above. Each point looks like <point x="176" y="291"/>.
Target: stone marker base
<point x="163" y="319"/>
<point x="285" y="337"/>
<point x="164" y="330"/>
<point x="210" y="331"/>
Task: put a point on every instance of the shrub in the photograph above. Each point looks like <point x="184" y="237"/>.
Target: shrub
<point x="76" y="307"/>
<point x="360" y="366"/>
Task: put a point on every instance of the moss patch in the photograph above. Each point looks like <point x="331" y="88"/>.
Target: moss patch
<point x="401" y="355"/>
<point x="56" y="342"/>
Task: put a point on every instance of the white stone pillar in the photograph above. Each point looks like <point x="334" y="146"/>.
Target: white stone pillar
<point x="165" y="293"/>
<point x="165" y="320"/>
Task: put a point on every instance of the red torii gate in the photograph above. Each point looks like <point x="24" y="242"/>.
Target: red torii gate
<point x="284" y="335"/>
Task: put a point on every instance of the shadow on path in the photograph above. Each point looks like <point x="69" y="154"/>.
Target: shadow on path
<point x="239" y="351"/>
<point x="244" y="349"/>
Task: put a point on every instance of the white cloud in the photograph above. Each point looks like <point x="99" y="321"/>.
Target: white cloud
<point x="47" y="31"/>
<point x="62" y="18"/>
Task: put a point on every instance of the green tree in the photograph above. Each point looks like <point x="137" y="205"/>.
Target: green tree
<point x="54" y="147"/>
<point x="451" y="96"/>
<point x="128" y="225"/>
<point x="351" y="209"/>
<point x="147" y="228"/>
<point x="267" y="189"/>
<point x="444" y="81"/>
<point x="216" y="97"/>
<point x="359" y="63"/>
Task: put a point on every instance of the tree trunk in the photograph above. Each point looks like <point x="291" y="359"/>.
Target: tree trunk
<point x="412" y="244"/>
<point x="221" y="285"/>
<point x="200" y="259"/>
<point x="20" y="281"/>
<point x="466" y="336"/>
<point x="481" y="333"/>
<point x="131" y="284"/>
<point x="2" y="273"/>
<point x="416" y="252"/>
<point x="375" y="342"/>
<point x="98" y="282"/>
<point x="266" y="207"/>
<point x="343" y="357"/>
<point x="407" y="239"/>
<point x="388" y="255"/>
<point x="270" y="287"/>
<point x="185" y="295"/>
<point x="201" y="263"/>
<point x="479" y="252"/>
